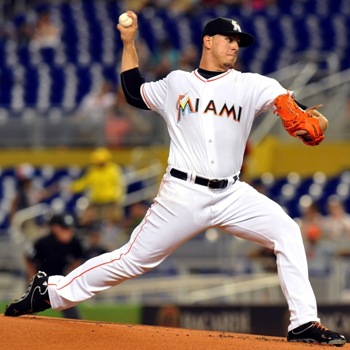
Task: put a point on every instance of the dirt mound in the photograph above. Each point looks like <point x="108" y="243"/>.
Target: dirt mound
<point x="34" y="332"/>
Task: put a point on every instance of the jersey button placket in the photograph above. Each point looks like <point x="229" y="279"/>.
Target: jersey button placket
<point x="209" y="120"/>
<point x="210" y="148"/>
<point x="210" y="141"/>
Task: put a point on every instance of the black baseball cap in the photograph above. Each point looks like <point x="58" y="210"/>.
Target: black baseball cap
<point x="227" y="26"/>
<point x="63" y="220"/>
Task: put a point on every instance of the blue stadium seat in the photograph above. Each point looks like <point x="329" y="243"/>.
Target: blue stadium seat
<point x="7" y="82"/>
<point x="47" y="55"/>
<point x="31" y="85"/>
<point x="47" y="176"/>
<point x="84" y="82"/>
<point x="57" y="86"/>
<point x="24" y="55"/>
<point x="283" y="29"/>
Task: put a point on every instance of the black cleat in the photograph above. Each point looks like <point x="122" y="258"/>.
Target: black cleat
<point x="35" y="299"/>
<point x="314" y="332"/>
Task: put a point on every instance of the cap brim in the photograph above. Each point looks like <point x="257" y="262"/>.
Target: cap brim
<point x="245" y="39"/>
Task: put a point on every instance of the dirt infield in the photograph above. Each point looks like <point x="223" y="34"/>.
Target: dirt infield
<point x="34" y="332"/>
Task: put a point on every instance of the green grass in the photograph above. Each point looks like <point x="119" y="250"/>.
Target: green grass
<point x="130" y="314"/>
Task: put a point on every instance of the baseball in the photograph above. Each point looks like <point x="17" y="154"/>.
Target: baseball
<point x="124" y="20"/>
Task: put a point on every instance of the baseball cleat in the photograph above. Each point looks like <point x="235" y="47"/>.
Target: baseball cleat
<point x="35" y="299"/>
<point x="315" y="332"/>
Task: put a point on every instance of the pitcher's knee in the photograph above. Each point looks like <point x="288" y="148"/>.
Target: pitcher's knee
<point x="134" y="267"/>
<point x="287" y="230"/>
<point x="291" y="234"/>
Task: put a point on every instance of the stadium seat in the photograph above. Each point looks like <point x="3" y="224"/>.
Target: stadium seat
<point x="284" y="29"/>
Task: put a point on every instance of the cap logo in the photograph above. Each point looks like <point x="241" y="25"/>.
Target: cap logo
<point x="236" y="26"/>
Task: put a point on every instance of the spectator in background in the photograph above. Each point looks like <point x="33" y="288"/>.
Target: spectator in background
<point x="136" y="213"/>
<point x="46" y="33"/>
<point x="189" y="57"/>
<point x="104" y="184"/>
<point x="318" y="250"/>
<point x="265" y="257"/>
<point x="166" y="59"/>
<point x="59" y="252"/>
<point x="27" y="193"/>
<point x="259" y="5"/>
<point x="24" y="34"/>
<point x="310" y="222"/>
<point x="95" y="246"/>
<point x="103" y="98"/>
<point x="93" y="111"/>
<point x="126" y="126"/>
<point x="137" y="5"/>
<point x="337" y="221"/>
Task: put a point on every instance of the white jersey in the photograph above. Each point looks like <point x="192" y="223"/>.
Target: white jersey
<point x="209" y="120"/>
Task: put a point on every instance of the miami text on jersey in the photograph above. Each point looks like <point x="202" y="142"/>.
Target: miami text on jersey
<point x="185" y="105"/>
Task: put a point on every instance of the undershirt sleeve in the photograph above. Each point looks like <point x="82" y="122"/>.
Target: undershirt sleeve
<point x="131" y="81"/>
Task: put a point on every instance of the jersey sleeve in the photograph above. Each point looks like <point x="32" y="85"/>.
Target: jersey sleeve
<point x="154" y="94"/>
<point x="267" y="89"/>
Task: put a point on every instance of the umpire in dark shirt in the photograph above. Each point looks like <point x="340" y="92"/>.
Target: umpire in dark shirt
<point x="57" y="253"/>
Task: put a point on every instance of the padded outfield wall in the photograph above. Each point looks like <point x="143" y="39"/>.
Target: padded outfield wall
<point x="247" y="319"/>
<point x="270" y="156"/>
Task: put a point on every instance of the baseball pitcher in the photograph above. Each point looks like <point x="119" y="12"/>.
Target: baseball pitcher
<point x="209" y="113"/>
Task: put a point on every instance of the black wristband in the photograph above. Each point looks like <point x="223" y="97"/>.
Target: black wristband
<point x="301" y="105"/>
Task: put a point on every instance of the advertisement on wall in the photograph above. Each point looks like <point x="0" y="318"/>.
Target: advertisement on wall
<point x="263" y="320"/>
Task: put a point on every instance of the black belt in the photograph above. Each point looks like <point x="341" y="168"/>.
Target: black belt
<point x="214" y="183"/>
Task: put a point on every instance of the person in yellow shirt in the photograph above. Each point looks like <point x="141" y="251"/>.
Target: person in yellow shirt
<point x="104" y="184"/>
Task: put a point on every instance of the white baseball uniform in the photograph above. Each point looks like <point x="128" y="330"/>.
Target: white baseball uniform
<point x="209" y="121"/>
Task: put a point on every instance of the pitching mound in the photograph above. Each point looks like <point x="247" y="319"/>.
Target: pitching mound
<point x="34" y="332"/>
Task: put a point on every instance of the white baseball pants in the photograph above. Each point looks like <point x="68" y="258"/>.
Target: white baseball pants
<point x="180" y="211"/>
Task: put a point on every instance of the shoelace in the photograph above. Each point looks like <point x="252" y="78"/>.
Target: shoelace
<point x="320" y="326"/>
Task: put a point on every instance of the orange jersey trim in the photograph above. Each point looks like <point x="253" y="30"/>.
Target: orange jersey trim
<point x="210" y="79"/>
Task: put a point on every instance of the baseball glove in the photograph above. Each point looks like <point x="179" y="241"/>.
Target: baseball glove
<point x="298" y="122"/>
